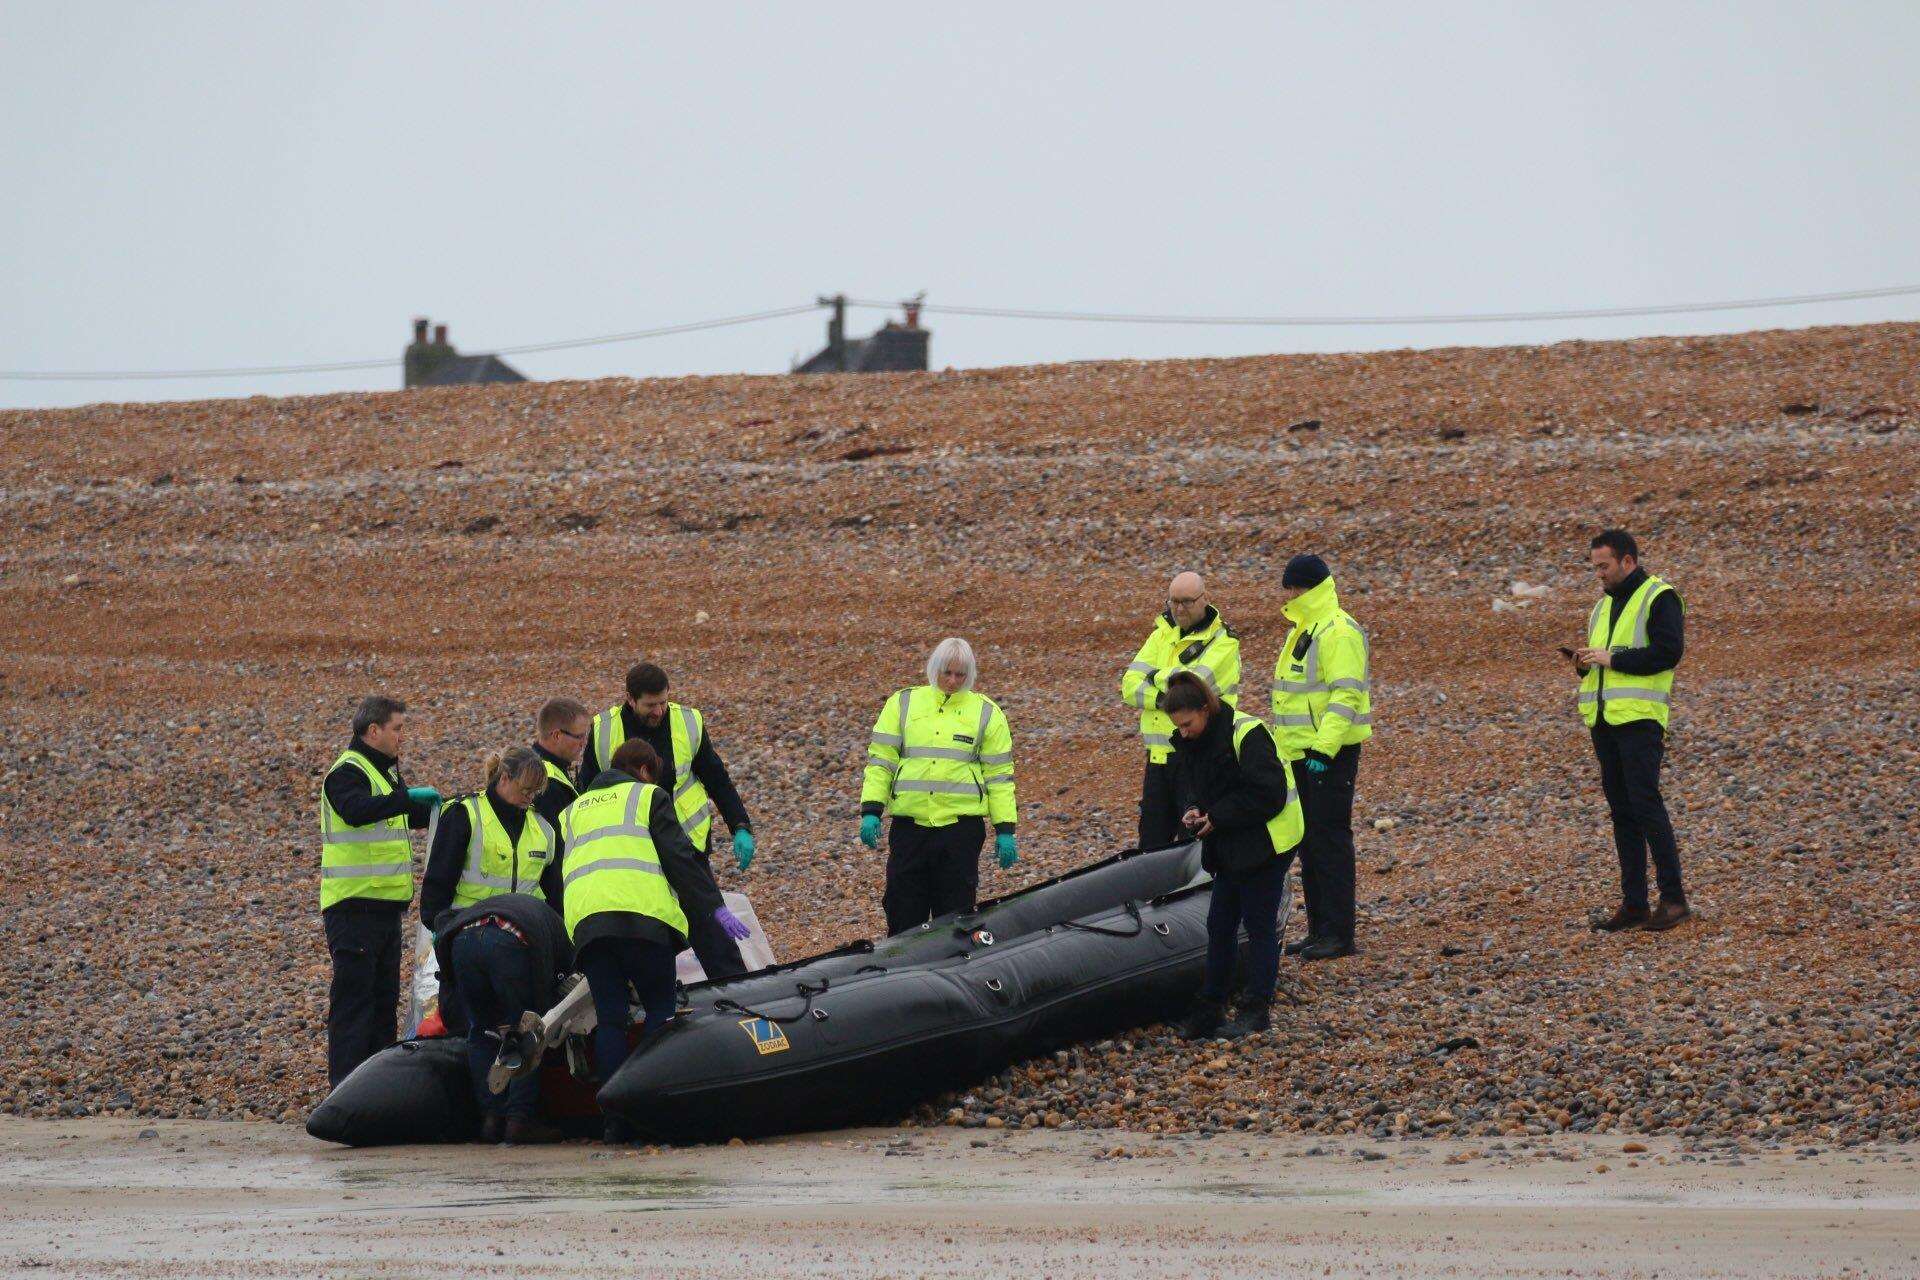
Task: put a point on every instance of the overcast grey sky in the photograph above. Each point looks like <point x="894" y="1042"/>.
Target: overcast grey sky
<point x="194" y="185"/>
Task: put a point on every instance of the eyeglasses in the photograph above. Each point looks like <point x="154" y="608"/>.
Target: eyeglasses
<point x="1182" y="601"/>
<point x="568" y="733"/>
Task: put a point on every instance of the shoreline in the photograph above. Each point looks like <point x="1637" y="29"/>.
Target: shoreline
<point x="178" y="1198"/>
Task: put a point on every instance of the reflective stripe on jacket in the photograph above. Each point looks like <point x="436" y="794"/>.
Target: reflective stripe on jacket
<point x="1626" y="698"/>
<point x="1323" y="683"/>
<point x="936" y="758"/>
<point x="496" y="864"/>
<point x="611" y="863"/>
<point x="1285" y="828"/>
<point x="688" y="730"/>
<point x="374" y="861"/>
<point x="1211" y="652"/>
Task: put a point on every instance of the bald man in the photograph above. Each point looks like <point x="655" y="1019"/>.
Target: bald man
<point x="1189" y="636"/>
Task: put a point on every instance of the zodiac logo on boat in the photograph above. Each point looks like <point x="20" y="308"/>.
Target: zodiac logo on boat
<point x="767" y="1035"/>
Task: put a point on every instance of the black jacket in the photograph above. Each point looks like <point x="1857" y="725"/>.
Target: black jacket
<point x="1666" y="630"/>
<point x="351" y="796"/>
<point x="447" y="857"/>
<point x="707" y="765"/>
<point x="546" y="936"/>
<point x="687" y="874"/>
<point x="1241" y="794"/>
<point x="557" y="795"/>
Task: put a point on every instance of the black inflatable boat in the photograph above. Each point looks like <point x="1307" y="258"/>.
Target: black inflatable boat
<point x="857" y="1033"/>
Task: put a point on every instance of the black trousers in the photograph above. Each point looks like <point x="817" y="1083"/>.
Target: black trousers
<point x="493" y="976"/>
<point x="931" y="871"/>
<point x="1326" y="849"/>
<point x="1249" y="899"/>
<point x="1159" y="809"/>
<point x="611" y="966"/>
<point x="719" y="955"/>
<point x="1630" y="757"/>
<point x="363" y="1001"/>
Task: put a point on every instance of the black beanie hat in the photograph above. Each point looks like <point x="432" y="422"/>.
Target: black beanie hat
<point x="1305" y="571"/>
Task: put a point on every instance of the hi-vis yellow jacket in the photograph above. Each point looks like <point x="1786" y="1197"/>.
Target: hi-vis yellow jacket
<point x="1322" y="685"/>
<point x="937" y="757"/>
<point x="1211" y="651"/>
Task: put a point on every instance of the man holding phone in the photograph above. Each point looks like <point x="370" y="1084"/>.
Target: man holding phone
<point x="1635" y="639"/>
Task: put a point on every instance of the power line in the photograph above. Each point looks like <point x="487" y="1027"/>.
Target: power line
<point x="1000" y="313"/>
<point x="125" y="375"/>
<point x="663" y="331"/>
<point x="1471" y="317"/>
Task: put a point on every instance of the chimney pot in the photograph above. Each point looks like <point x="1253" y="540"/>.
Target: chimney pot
<point x="439" y="335"/>
<point x="913" y="314"/>
<point x="420" y="329"/>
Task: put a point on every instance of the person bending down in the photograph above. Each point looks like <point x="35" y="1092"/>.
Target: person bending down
<point x="632" y="878"/>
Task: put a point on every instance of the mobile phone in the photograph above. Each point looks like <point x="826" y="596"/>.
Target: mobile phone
<point x="1566" y="652"/>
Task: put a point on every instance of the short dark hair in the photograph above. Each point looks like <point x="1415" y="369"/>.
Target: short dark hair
<point x="635" y="753"/>
<point x="377" y="709"/>
<point x="558" y="713"/>
<point x="645" y="678"/>
<point x="1619" y="541"/>
<point x="1188" y="692"/>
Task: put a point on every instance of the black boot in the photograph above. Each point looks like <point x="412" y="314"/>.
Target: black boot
<point x="1326" y="949"/>
<point x="1248" y="1020"/>
<point x="1202" y="1020"/>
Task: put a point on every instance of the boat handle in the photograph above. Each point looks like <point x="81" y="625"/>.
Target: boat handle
<point x="993" y="984"/>
<point x="1162" y="928"/>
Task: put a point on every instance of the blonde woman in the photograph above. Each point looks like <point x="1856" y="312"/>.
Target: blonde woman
<point x="489" y="842"/>
<point x="941" y="759"/>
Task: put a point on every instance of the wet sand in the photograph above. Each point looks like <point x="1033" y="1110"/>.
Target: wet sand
<point x="126" y="1197"/>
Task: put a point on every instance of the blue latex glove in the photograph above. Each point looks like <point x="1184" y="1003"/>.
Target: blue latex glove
<point x="1004" y="850"/>
<point x="424" y="795"/>
<point x="743" y="848"/>
<point x="731" y="923"/>
<point x="870" y="830"/>
<point x="1314" y="763"/>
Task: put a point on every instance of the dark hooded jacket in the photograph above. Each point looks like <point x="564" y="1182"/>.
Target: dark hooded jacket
<point x="1239" y="793"/>
<point x="546" y="935"/>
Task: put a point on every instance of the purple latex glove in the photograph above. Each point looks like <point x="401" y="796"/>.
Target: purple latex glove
<point x="731" y="923"/>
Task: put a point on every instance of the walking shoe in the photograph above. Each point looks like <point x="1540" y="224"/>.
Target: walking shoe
<point x="492" y="1129"/>
<point x="526" y="1133"/>
<point x="1625" y="918"/>
<point x="1201" y="1021"/>
<point x="521" y="1048"/>
<point x="1246" y="1021"/>
<point x="1325" y="949"/>
<point x="1666" y="915"/>
<point x="1298" y="945"/>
